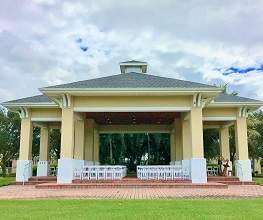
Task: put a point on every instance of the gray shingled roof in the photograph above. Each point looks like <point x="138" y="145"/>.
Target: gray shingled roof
<point x="132" y="80"/>
<point x="32" y="99"/>
<point x="232" y="98"/>
<point x="44" y="99"/>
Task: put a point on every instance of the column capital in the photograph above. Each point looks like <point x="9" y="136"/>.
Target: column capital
<point x="242" y="112"/>
<point x="63" y="101"/>
<point x="24" y="112"/>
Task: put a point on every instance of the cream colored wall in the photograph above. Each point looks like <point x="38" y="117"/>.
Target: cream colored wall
<point x="25" y="152"/>
<point x="219" y="112"/>
<point x="135" y="101"/>
<point x="46" y="112"/>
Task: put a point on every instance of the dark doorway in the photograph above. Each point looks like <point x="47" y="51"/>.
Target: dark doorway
<point x="135" y="149"/>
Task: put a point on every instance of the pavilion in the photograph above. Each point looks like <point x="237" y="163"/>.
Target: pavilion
<point x="132" y="101"/>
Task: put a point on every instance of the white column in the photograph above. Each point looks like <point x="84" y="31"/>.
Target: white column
<point x="198" y="162"/>
<point x="243" y="163"/>
<point x="67" y="165"/>
<point x="24" y="164"/>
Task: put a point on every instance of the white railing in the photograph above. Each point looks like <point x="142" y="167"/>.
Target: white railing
<point x="27" y="171"/>
<point x="101" y="173"/>
<point x="166" y="172"/>
<point x="212" y="171"/>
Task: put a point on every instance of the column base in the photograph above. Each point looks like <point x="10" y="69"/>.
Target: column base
<point x="42" y="168"/>
<point x="243" y="170"/>
<point x="198" y="170"/>
<point x="23" y="170"/>
<point x="91" y="163"/>
<point x="66" y="168"/>
<point x="176" y="162"/>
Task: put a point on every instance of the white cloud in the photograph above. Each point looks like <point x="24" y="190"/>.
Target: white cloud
<point x="186" y="40"/>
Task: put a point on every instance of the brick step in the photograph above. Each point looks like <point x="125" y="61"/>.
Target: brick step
<point x="219" y="178"/>
<point x="238" y="182"/>
<point x="30" y="183"/>
<point x="131" y="181"/>
<point x="142" y="185"/>
<point x="43" y="178"/>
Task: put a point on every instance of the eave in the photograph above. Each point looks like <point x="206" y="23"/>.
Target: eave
<point x="130" y="91"/>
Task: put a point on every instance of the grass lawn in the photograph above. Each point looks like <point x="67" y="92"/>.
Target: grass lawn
<point x="258" y="180"/>
<point x="131" y="209"/>
<point x="4" y="181"/>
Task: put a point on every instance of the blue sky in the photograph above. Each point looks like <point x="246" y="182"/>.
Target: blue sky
<point x="46" y="42"/>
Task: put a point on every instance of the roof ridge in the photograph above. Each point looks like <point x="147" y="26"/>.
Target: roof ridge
<point x="149" y="76"/>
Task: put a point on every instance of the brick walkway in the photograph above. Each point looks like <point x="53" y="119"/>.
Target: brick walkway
<point x="30" y="192"/>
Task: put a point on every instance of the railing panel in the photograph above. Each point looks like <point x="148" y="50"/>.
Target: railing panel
<point x="98" y="172"/>
<point x="165" y="172"/>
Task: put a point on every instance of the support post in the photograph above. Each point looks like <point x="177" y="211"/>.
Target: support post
<point x="198" y="162"/>
<point x="24" y="164"/>
<point x="43" y="165"/>
<point x="224" y="142"/>
<point x="243" y="164"/>
<point x="178" y="139"/>
<point x="79" y="139"/>
<point x="172" y="146"/>
<point x="67" y="165"/>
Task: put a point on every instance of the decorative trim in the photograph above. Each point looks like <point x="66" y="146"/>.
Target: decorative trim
<point x="224" y="118"/>
<point x="197" y="100"/>
<point x="46" y="119"/>
<point x="243" y="111"/>
<point x="235" y="104"/>
<point x="131" y="109"/>
<point x="23" y="112"/>
<point x="192" y="90"/>
<point x="66" y="100"/>
<point x="30" y="104"/>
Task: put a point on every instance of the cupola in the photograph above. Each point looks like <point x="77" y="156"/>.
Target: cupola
<point x="133" y="66"/>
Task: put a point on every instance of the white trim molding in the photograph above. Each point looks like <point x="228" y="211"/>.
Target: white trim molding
<point x="132" y="109"/>
<point x="46" y="119"/>
<point x="224" y="118"/>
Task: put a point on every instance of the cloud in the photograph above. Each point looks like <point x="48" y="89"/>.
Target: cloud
<point x="49" y="42"/>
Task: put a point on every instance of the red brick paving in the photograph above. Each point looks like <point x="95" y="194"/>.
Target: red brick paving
<point x="30" y="192"/>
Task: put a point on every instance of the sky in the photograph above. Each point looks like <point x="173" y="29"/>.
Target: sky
<point x="48" y="42"/>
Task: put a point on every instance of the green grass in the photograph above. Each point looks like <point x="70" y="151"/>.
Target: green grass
<point x="131" y="209"/>
<point x="258" y="180"/>
<point x="4" y="181"/>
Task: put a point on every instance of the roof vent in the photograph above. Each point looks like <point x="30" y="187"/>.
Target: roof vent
<point x="133" y="66"/>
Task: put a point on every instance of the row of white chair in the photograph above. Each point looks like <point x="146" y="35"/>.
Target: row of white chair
<point x="168" y="172"/>
<point x="101" y="172"/>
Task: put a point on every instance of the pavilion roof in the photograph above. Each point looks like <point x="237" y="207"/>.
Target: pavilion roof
<point x="132" y="80"/>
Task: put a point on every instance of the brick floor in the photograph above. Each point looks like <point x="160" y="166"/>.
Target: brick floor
<point x="30" y="192"/>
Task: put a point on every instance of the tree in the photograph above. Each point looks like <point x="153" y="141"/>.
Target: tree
<point x="9" y="137"/>
<point x="54" y="144"/>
